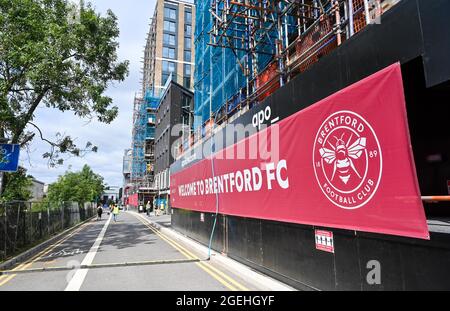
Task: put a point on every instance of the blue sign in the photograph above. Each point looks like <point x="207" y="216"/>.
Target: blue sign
<point x="9" y="157"/>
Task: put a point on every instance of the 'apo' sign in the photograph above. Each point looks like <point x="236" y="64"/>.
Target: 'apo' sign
<point x="261" y="117"/>
<point x="337" y="164"/>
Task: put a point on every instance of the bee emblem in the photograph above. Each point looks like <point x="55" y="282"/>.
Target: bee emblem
<point x="342" y="154"/>
<point x="347" y="160"/>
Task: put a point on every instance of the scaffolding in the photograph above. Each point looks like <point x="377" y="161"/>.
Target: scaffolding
<point x="292" y="34"/>
<point x="246" y="49"/>
<point x="217" y="74"/>
<point x="143" y="145"/>
<point x="143" y="134"/>
<point x="138" y="144"/>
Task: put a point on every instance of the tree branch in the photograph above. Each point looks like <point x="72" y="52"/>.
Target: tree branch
<point x="23" y="123"/>
<point x="42" y="136"/>
<point x="21" y="90"/>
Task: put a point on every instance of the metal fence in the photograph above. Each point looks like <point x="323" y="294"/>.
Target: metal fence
<point x="23" y="224"/>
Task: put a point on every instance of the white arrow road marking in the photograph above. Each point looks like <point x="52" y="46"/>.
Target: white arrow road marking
<point x="80" y="274"/>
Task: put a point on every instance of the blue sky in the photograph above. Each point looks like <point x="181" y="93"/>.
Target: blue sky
<point x="113" y="139"/>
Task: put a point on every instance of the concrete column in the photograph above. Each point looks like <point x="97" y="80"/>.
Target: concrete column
<point x="180" y="44"/>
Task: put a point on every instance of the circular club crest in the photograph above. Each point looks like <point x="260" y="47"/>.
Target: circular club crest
<point x="347" y="160"/>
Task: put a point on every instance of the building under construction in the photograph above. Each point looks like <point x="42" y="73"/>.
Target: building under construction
<point x="292" y="66"/>
<point x="246" y="49"/>
<point x="168" y="54"/>
<point x="140" y="187"/>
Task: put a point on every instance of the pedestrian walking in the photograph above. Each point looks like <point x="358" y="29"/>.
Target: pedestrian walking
<point x="115" y="211"/>
<point x="99" y="212"/>
<point x="148" y="208"/>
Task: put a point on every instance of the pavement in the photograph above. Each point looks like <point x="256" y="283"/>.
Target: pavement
<point x="441" y="225"/>
<point x="162" y="220"/>
<point x="129" y="254"/>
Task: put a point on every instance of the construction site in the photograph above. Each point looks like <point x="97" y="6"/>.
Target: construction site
<point x="245" y="51"/>
<point x="140" y="185"/>
<point x="292" y="66"/>
<point x="249" y="49"/>
<point x="168" y="44"/>
<point x="276" y="145"/>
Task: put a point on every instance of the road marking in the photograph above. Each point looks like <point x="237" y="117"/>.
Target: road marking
<point x="80" y="274"/>
<point x="203" y="267"/>
<point x="214" y="272"/>
<point x="40" y="255"/>
<point x="6" y="278"/>
<point x="64" y="253"/>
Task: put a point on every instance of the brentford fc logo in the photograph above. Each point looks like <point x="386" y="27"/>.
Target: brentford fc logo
<point x="347" y="159"/>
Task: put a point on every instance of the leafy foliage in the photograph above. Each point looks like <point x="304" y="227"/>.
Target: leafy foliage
<point x="17" y="186"/>
<point x="83" y="186"/>
<point x="51" y="60"/>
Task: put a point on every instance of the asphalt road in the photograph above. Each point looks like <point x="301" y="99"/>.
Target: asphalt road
<point x="131" y="255"/>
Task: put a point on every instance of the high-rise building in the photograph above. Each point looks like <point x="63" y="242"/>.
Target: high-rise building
<point x="170" y="46"/>
<point x="168" y="53"/>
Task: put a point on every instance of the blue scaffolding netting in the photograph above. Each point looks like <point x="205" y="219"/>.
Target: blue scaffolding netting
<point x="143" y="130"/>
<point x="218" y="76"/>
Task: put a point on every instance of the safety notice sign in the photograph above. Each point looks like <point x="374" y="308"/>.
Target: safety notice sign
<point x="324" y="241"/>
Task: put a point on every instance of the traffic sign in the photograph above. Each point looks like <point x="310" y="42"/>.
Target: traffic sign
<point x="9" y="157"/>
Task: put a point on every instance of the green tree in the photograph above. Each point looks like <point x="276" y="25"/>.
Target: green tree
<point x="55" y="57"/>
<point x="17" y="186"/>
<point x="83" y="186"/>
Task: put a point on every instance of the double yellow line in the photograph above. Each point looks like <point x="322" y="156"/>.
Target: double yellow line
<point x="224" y="279"/>
<point x="221" y="277"/>
<point x="6" y="278"/>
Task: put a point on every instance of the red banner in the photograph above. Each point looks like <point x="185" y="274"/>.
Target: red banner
<point x="133" y="200"/>
<point x="344" y="162"/>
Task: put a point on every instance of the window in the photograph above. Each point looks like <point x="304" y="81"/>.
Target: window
<point x="169" y="39"/>
<point x="187" y="70"/>
<point x="188" y="29"/>
<point x="164" y="78"/>
<point x="188" y="17"/>
<point x="170" y="13"/>
<point x="168" y="53"/>
<point x="187" y="56"/>
<point x="187" y="43"/>
<point x="169" y="26"/>
<point x="168" y="66"/>
<point x="187" y="82"/>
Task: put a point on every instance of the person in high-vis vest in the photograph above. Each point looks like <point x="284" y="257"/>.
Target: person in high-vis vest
<point x="115" y="211"/>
